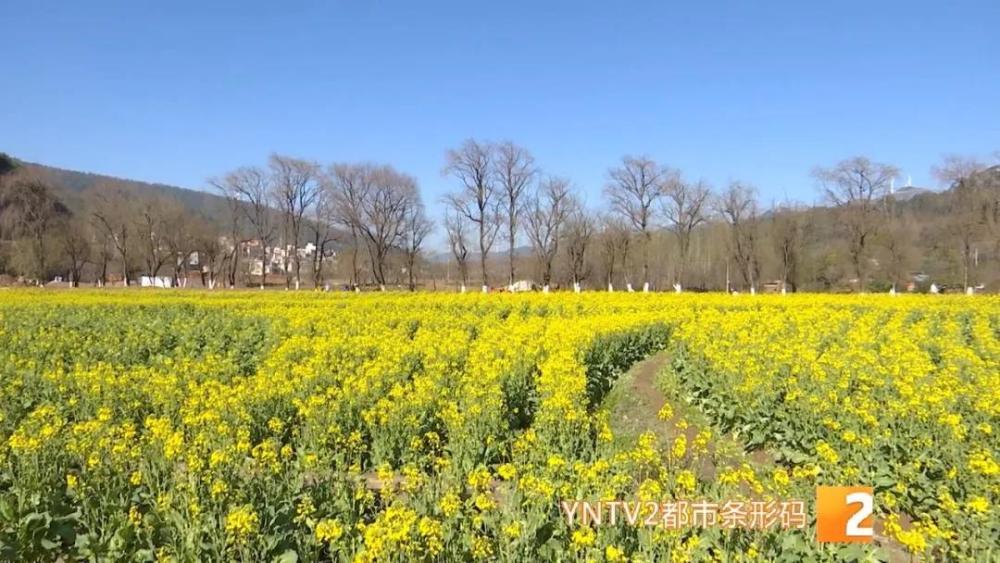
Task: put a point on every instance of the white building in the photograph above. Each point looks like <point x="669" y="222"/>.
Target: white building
<point x="156" y="281"/>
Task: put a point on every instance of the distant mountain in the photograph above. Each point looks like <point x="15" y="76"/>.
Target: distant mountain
<point x="72" y="184"/>
<point x="989" y="176"/>
<point x="909" y="192"/>
<point x="446" y="256"/>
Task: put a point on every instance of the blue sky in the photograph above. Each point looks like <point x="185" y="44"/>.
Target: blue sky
<point x="177" y="92"/>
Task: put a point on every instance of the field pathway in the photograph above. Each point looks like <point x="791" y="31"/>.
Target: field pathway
<point x="635" y="402"/>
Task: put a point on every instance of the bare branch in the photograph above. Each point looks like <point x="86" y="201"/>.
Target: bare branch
<point x="858" y="187"/>
<point x="545" y="215"/>
<point x="514" y="171"/>
<point x="633" y="190"/>
<point x="478" y="199"/>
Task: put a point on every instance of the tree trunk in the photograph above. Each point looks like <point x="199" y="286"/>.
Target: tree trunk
<point x="234" y="266"/>
<point x="355" y="281"/>
<point x="263" y="268"/>
<point x="646" y="241"/>
<point x="511" y="255"/>
<point x="482" y="263"/>
<point x="298" y="269"/>
<point x="317" y="269"/>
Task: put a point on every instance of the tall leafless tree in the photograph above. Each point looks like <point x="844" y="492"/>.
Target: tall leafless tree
<point x="858" y="188"/>
<point x="968" y="213"/>
<point x="323" y="221"/>
<point x="685" y="208"/>
<point x="104" y="252"/>
<point x="545" y="215"/>
<point x="182" y="238"/>
<point x="614" y="242"/>
<point x="351" y="184"/>
<point x="992" y="188"/>
<point x="737" y="206"/>
<point x="897" y="239"/>
<point x="786" y="234"/>
<point x="383" y="212"/>
<point x="578" y="233"/>
<point x="75" y="243"/>
<point x="295" y="185"/>
<point x="455" y="225"/>
<point x="478" y="199"/>
<point x="111" y="207"/>
<point x="229" y="253"/>
<point x="214" y="256"/>
<point x="250" y="187"/>
<point x="151" y="223"/>
<point x="515" y="170"/>
<point x="634" y="189"/>
<point x="417" y="227"/>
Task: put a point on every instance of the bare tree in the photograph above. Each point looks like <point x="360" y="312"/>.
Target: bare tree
<point x="150" y="227"/>
<point x="478" y="199"/>
<point x="614" y="241"/>
<point x="897" y="239"/>
<point x="110" y="212"/>
<point x="578" y="233"/>
<point x="634" y="188"/>
<point x="455" y="225"/>
<point x="417" y="227"/>
<point x="74" y="240"/>
<point x="183" y="236"/>
<point x="515" y="169"/>
<point x="322" y="224"/>
<point x="248" y="188"/>
<point x="213" y="255"/>
<point x="545" y="215"/>
<point x="992" y="189"/>
<point x="686" y="207"/>
<point x="786" y="234"/>
<point x="738" y="208"/>
<point x="858" y="187"/>
<point x="382" y="221"/>
<point x="968" y="209"/>
<point x="351" y="184"/>
<point x="104" y="252"/>
<point x="230" y="253"/>
<point x="294" y="188"/>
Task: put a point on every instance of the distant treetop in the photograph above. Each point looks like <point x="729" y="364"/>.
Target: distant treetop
<point x="7" y="164"/>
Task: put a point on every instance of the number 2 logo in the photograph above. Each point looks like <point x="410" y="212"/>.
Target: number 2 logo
<point x="854" y="528"/>
<point x="845" y="514"/>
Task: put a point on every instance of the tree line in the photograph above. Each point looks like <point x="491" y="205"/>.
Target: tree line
<point x="507" y="219"/>
<point x="364" y="207"/>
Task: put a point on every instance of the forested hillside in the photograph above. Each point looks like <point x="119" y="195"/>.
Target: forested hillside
<point x="74" y="183"/>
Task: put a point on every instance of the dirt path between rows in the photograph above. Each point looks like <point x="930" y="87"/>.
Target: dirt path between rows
<point x="635" y="403"/>
<point x="637" y="407"/>
<point x="643" y="385"/>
